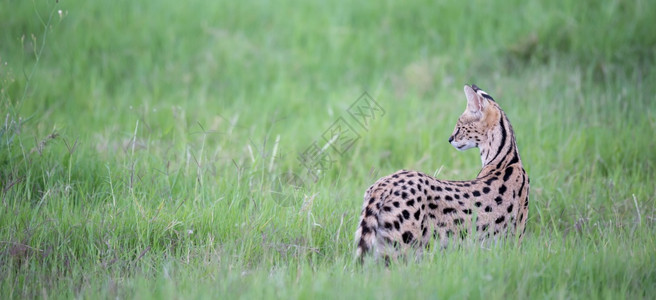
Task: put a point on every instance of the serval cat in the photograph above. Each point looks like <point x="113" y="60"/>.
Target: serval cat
<point x="404" y="210"/>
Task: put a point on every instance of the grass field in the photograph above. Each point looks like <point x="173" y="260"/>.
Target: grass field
<point x="147" y="146"/>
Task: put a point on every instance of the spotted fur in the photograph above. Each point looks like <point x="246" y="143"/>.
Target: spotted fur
<point x="407" y="209"/>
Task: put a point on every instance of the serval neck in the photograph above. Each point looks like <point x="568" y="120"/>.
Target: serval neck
<point x="502" y="151"/>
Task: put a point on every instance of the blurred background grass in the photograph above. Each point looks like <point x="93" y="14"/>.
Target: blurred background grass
<point x="139" y="158"/>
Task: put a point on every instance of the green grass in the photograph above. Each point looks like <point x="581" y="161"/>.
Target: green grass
<point x="142" y="149"/>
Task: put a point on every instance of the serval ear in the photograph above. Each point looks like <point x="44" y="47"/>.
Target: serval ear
<point x="475" y="102"/>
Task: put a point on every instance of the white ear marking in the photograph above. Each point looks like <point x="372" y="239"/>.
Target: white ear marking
<point x="475" y="103"/>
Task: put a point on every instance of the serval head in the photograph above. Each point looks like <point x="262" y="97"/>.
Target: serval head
<point x="476" y="125"/>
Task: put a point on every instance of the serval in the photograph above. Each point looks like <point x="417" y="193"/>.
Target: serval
<point x="404" y="210"/>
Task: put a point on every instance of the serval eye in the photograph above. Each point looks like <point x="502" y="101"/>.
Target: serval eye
<point x="408" y="209"/>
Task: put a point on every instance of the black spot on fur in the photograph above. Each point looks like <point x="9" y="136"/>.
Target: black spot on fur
<point x="406" y="214"/>
<point x="388" y="226"/>
<point x="500" y="219"/>
<point x="448" y="210"/>
<point x="448" y="189"/>
<point x="363" y="245"/>
<point x="438" y="188"/>
<point x="498" y="200"/>
<point x="404" y="195"/>
<point x="486" y="190"/>
<point x="502" y="189"/>
<point x="456" y="196"/>
<point x="368" y="212"/>
<point x="407" y="237"/>
<point x="396" y="193"/>
<point x="466" y="195"/>
<point x="413" y="191"/>
<point x="510" y="207"/>
<point x="476" y="193"/>
<point x="387" y="208"/>
<point x="477" y="204"/>
<point x="411" y="202"/>
<point x="372" y="200"/>
<point x="432" y="205"/>
<point x="365" y="229"/>
<point x="396" y="204"/>
<point x="488" y="209"/>
<point x="507" y="173"/>
<point x="417" y="213"/>
<point x="410" y="182"/>
<point x="448" y="198"/>
<point x="489" y="181"/>
<point x="458" y="221"/>
<point x="467" y="211"/>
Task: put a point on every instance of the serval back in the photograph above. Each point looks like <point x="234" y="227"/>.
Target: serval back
<point x="406" y="209"/>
